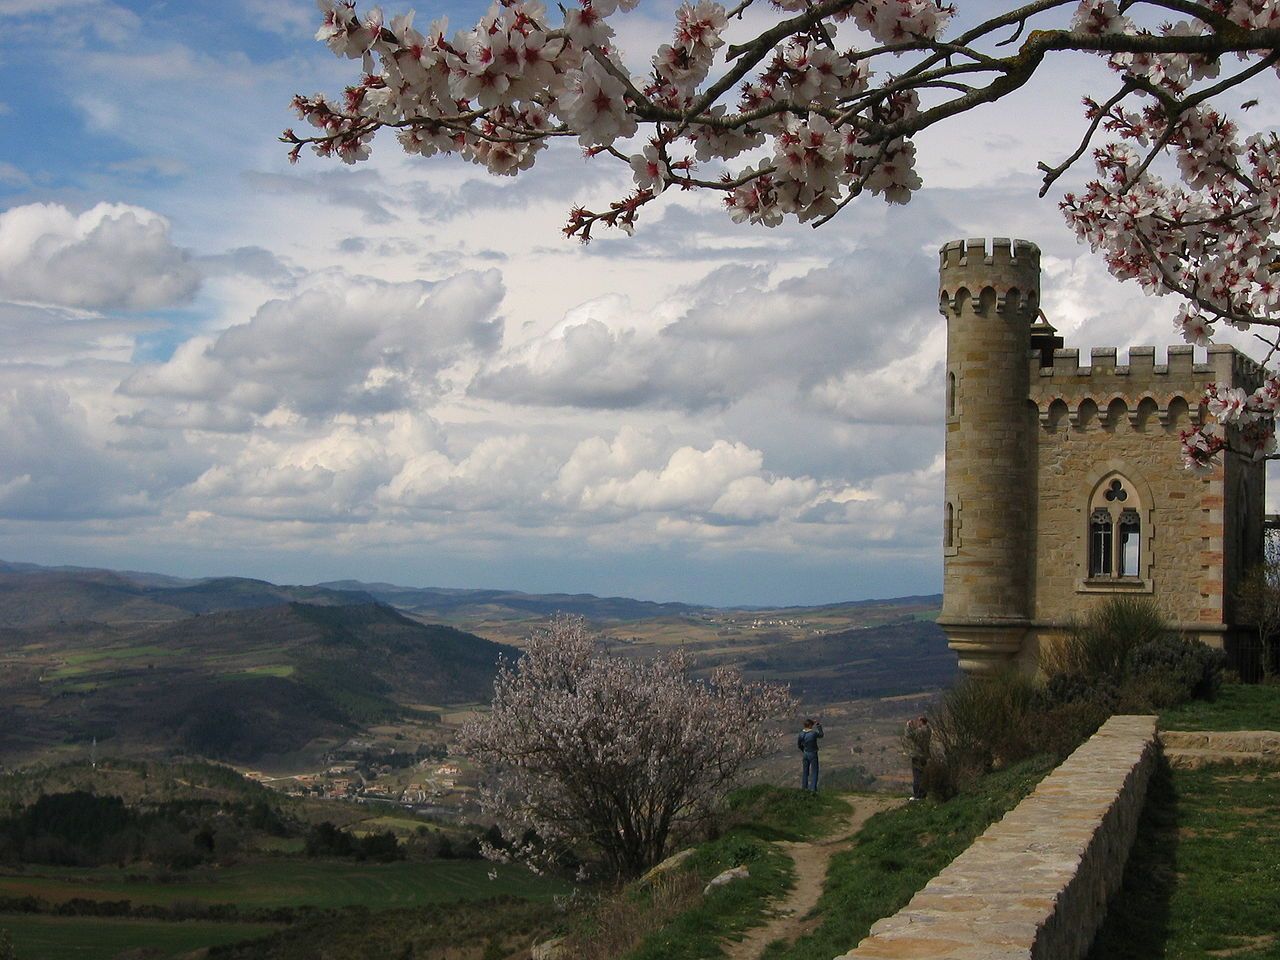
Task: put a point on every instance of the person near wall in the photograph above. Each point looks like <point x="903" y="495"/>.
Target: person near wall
<point x="918" y="737"/>
<point x="807" y="742"/>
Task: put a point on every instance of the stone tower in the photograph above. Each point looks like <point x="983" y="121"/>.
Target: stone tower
<point x="1064" y="482"/>
<point x="990" y="298"/>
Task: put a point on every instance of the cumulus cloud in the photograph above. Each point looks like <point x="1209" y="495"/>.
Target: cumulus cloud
<point x="343" y="345"/>
<point x="725" y="482"/>
<point x="54" y="467"/>
<point x="109" y="257"/>
<point x="905" y="390"/>
<point x="833" y="333"/>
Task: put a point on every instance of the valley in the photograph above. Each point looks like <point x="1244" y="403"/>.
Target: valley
<point x="335" y="707"/>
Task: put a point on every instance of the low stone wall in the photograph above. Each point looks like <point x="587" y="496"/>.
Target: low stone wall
<point x="1035" y="885"/>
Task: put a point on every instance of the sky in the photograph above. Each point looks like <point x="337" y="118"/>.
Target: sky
<point x="215" y="363"/>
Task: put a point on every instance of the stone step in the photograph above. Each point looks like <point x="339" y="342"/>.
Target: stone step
<point x="1263" y="742"/>
<point x="1193" y="758"/>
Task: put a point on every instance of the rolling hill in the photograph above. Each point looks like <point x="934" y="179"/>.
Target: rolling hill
<point x="33" y="596"/>
<point x="245" y="670"/>
<point x="235" y="685"/>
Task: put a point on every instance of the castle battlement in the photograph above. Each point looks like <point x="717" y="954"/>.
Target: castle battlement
<point x="1004" y="275"/>
<point x="974" y="251"/>
<point x="1106" y="390"/>
<point x="1225" y="363"/>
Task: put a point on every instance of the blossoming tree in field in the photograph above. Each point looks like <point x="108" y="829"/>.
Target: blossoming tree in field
<point x="619" y="753"/>
<point x="796" y="108"/>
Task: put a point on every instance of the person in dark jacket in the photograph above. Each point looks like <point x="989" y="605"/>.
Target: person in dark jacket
<point x="918" y="736"/>
<point x="807" y="741"/>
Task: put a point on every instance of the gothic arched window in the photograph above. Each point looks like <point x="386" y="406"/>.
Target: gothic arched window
<point x="949" y="526"/>
<point x="1115" y="530"/>
<point x="951" y="394"/>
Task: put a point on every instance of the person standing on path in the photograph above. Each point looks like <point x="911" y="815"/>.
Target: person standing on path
<point x="918" y="737"/>
<point x="808" y="744"/>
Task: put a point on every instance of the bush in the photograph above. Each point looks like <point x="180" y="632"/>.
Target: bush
<point x="981" y="723"/>
<point x="1100" y="644"/>
<point x="1172" y="670"/>
<point x="1057" y="729"/>
<point x="1061" y="689"/>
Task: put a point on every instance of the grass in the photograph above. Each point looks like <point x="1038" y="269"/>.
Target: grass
<point x="668" y="917"/>
<point x="93" y="938"/>
<point x="1203" y="878"/>
<point x="1239" y="706"/>
<point x="269" y="670"/>
<point x="459" y="931"/>
<point x="897" y="853"/>
<point x="777" y="813"/>
<point x="696" y="933"/>
<point x="281" y="883"/>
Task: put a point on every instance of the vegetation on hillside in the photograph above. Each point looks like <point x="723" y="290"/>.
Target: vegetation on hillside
<point x="237" y="685"/>
<point x="898" y="852"/>
<point x="1122" y="658"/>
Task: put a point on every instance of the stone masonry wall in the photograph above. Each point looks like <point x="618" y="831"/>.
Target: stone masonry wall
<point x="1106" y="417"/>
<point x="1035" y="885"/>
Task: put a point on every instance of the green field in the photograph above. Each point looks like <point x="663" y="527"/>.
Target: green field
<point x="290" y="882"/>
<point x="92" y="938"/>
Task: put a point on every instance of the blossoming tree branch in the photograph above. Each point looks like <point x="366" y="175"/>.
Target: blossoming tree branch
<point x="801" y="108"/>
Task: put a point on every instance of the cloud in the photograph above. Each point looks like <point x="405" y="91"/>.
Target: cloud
<point x="55" y="468"/>
<point x="725" y="482"/>
<point x="840" y="334"/>
<point x="350" y="345"/>
<point x="109" y="257"/>
<point x="63" y="337"/>
<point x="359" y="190"/>
<point x="256" y="262"/>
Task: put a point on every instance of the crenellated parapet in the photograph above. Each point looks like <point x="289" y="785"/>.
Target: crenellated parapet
<point x="1006" y="272"/>
<point x="1149" y="395"/>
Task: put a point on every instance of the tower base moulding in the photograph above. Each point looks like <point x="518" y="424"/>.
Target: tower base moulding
<point x="984" y="648"/>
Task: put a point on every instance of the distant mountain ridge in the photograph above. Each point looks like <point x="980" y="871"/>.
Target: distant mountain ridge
<point x="31" y="594"/>
<point x="447" y="602"/>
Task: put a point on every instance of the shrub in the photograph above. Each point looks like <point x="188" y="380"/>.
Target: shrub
<point x="980" y="723"/>
<point x="1057" y="729"/>
<point x="1100" y="644"/>
<point x="1172" y="669"/>
<point x="1074" y="688"/>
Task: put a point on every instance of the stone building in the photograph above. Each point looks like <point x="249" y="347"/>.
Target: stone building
<point x="1064" y="480"/>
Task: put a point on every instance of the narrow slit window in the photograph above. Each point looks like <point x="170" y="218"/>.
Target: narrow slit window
<point x="1130" y="547"/>
<point x="1100" y="543"/>
<point x="951" y="394"/>
<point x="949" y="527"/>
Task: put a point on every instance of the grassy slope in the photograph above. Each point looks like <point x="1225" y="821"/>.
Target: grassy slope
<point x="897" y="853"/>
<point x="1238" y="707"/>
<point x="290" y="882"/>
<point x="74" y="938"/>
<point x="1204" y="874"/>
<point x="753" y="819"/>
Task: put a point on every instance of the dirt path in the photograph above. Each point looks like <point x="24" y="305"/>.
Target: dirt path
<point x="787" y="915"/>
